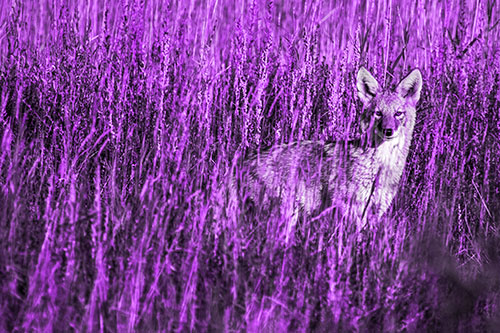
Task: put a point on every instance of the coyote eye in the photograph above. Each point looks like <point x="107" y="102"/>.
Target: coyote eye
<point x="378" y="114"/>
<point x="399" y="114"/>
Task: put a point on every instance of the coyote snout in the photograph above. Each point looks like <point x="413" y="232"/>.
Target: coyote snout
<point x="388" y="125"/>
<point x="356" y="178"/>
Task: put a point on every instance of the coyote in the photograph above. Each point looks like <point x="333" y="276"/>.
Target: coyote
<point x="357" y="179"/>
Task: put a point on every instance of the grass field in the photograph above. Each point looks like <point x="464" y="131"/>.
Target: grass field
<point x="119" y="124"/>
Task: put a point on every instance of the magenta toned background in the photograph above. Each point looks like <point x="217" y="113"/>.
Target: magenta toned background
<point x="119" y="124"/>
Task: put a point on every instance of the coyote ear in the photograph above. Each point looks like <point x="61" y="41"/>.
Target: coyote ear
<point x="409" y="88"/>
<point x="367" y="85"/>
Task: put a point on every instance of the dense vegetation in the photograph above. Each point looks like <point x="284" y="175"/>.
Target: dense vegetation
<point x="119" y="124"/>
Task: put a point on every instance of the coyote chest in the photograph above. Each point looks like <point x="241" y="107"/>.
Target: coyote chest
<point x="373" y="178"/>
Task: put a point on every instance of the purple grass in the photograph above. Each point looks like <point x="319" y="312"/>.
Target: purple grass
<point x="121" y="122"/>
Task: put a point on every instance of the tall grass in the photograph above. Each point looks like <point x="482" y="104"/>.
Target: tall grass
<point x="120" y="122"/>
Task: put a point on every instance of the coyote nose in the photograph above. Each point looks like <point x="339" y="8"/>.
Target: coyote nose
<point x="388" y="132"/>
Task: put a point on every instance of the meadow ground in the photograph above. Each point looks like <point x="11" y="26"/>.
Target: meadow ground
<point x="120" y="121"/>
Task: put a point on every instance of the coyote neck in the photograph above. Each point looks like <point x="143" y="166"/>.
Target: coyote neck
<point x="374" y="171"/>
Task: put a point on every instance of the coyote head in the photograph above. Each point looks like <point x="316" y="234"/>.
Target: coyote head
<point x="386" y="113"/>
